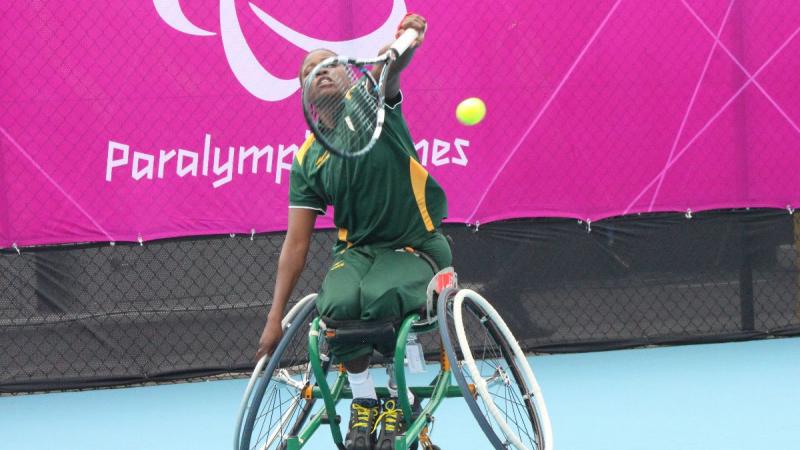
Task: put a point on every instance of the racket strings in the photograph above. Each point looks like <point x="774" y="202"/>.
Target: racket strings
<point x="345" y="109"/>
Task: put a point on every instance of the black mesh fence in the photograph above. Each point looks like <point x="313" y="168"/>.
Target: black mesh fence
<point x="77" y="316"/>
<point x="640" y="280"/>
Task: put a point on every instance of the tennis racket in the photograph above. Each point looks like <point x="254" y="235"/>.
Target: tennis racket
<point x="343" y="99"/>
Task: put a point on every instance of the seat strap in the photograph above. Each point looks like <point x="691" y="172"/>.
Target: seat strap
<point x="426" y="257"/>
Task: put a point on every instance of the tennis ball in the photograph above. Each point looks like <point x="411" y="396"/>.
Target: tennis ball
<point x="471" y="111"/>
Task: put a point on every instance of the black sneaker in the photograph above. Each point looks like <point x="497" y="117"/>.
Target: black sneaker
<point x="363" y="419"/>
<point x="392" y="424"/>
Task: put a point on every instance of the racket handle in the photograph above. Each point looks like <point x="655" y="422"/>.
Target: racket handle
<point x="404" y="41"/>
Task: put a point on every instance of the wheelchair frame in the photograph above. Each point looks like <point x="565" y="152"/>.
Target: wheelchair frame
<point x="442" y="386"/>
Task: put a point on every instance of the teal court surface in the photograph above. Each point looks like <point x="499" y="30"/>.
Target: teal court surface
<point x="731" y="396"/>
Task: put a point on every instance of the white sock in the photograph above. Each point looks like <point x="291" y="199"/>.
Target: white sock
<point x="394" y="393"/>
<point x="362" y="385"/>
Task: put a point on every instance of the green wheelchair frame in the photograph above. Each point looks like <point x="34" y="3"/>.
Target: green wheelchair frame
<point x="472" y="384"/>
<point x="416" y="430"/>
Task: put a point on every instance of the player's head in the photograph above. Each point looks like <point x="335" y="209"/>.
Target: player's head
<point x="329" y="82"/>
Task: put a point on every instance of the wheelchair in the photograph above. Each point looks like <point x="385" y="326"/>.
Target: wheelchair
<point x="476" y="348"/>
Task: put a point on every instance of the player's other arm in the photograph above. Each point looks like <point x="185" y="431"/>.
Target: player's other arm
<point x="418" y="23"/>
<point x="290" y="265"/>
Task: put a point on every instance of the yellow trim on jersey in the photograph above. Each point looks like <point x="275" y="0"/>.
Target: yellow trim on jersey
<point x="419" y="177"/>
<point x="321" y="160"/>
<point x="349" y="94"/>
<point x="304" y="148"/>
<point x="361" y="84"/>
<point x="349" y="244"/>
<point x="343" y="238"/>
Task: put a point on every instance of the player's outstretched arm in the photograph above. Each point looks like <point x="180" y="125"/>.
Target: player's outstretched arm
<point x="290" y="266"/>
<point x="416" y="22"/>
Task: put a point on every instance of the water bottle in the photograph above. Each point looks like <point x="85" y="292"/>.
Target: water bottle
<point x="415" y="356"/>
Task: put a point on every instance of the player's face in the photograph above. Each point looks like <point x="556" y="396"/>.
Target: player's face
<point x="329" y="82"/>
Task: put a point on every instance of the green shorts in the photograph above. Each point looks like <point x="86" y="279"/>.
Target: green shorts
<point x="374" y="283"/>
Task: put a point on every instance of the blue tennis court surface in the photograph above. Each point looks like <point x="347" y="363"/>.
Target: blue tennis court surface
<point x="720" y="396"/>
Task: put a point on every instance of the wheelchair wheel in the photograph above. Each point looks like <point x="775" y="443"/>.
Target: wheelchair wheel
<point x="273" y="408"/>
<point x="493" y="373"/>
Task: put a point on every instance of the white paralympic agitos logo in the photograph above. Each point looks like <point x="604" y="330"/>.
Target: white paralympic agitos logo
<point x="243" y="62"/>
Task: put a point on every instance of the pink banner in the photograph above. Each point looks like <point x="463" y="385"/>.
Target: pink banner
<point x="145" y="120"/>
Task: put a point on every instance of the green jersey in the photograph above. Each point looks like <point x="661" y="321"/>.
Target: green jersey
<point x="382" y="198"/>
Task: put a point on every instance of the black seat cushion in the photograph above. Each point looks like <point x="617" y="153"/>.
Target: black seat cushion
<point x="382" y="334"/>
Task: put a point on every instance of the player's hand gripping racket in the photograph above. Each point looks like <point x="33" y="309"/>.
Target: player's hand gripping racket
<point x="343" y="99"/>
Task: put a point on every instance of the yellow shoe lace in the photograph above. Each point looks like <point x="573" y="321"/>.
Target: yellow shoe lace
<point x="362" y="415"/>
<point x="390" y="415"/>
